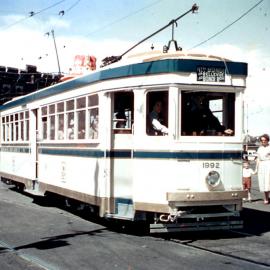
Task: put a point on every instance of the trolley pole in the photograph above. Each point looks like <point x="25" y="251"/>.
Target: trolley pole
<point x="59" y="70"/>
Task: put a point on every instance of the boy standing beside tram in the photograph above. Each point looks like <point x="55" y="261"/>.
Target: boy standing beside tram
<point x="247" y="173"/>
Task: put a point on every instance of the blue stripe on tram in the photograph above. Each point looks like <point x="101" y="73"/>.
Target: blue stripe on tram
<point x="141" y="154"/>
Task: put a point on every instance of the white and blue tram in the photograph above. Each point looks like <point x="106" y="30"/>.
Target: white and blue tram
<point x="66" y="139"/>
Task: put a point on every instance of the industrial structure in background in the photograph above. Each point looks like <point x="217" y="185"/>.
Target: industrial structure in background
<point x="16" y="82"/>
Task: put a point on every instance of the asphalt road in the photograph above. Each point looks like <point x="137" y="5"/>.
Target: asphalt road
<point x="35" y="234"/>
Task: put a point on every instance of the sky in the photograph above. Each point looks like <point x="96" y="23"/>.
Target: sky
<point x="238" y="30"/>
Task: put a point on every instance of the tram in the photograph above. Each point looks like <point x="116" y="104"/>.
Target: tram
<point x="65" y="139"/>
<point x="90" y="139"/>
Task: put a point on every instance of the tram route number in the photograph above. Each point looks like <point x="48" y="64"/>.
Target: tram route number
<point x="211" y="165"/>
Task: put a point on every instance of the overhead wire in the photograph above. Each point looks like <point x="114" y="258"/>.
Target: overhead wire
<point x="32" y="13"/>
<point x="72" y="6"/>
<point x="228" y="26"/>
<point x="122" y="18"/>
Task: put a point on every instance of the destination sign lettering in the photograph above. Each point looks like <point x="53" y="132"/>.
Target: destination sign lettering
<point x="210" y="74"/>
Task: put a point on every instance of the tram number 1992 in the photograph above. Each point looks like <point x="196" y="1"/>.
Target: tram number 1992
<point x="211" y="165"/>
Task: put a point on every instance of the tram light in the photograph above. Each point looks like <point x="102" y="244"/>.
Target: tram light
<point x="213" y="179"/>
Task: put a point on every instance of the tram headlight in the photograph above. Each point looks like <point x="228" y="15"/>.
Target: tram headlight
<point x="213" y="179"/>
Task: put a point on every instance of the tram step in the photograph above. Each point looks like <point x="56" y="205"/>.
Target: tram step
<point x="35" y="192"/>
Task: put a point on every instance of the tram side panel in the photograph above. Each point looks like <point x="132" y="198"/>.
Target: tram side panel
<point x="67" y="172"/>
<point x="17" y="162"/>
<point x="17" y="156"/>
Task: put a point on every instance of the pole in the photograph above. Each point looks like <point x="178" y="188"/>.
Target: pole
<point x="112" y="59"/>
<point x="59" y="70"/>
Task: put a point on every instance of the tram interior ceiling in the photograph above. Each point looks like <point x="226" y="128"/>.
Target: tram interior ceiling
<point x="16" y="82"/>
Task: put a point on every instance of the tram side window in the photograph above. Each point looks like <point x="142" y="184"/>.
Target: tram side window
<point x="123" y="112"/>
<point x="207" y="113"/>
<point x="21" y="126"/>
<point x="7" y="129"/>
<point x="80" y="106"/>
<point x="93" y="114"/>
<point x="70" y="119"/>
<point x="52" y="121"/>
<point x="27" y="125"/>
<point x="157" y="113"/>
<point x="60" y="120"/>
<point x="44" y="119"/>
<point x="11" y="128"/>
<point x="3" y="129"/>
<point x="14" y="127"/>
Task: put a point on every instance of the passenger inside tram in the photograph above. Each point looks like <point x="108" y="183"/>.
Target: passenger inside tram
<point x="198" y="119"/>
<point x="156" y="127"/>
<point x="93" y="128"/>
<point x="157" y="116"/>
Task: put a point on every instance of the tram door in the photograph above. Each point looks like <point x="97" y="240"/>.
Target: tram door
<point x="122" y="151"/>
<point x="34" y="141"/>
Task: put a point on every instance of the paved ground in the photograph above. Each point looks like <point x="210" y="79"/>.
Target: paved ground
<point x="36" y="236"/>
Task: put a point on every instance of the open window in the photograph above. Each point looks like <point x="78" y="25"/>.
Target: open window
<point x="123" y="112"/>
<point x="207" y="113"/>
<point x="157" y="113"/>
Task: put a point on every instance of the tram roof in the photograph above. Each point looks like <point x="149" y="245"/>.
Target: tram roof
<point x="149" y="64"/>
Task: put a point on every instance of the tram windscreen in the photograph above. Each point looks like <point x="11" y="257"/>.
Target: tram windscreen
<point x="207" y="113"/>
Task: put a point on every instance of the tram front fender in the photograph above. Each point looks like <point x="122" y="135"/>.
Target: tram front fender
<point x="206" y="198"/>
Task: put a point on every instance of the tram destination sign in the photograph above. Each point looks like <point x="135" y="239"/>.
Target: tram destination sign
<point x="210" y="74"/>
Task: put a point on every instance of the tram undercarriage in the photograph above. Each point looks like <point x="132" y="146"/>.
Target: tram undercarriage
<point x="199" y="218"/>
<point x="200" y="211"/>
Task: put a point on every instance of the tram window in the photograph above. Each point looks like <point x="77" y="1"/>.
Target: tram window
<point x="157" y="113"/>
<point x="44" y="119"/>
<point x="7" y="128"/>
<point x="60" y="126"/>
<point x="3" y="128"/>
<point x="70" y="105"/>
<point x="21" y="127"/>
<point x="70" y="125"/>
<point x="27" y="125"/>
<point x="7" y="132"/>
<point x="52" y="109"/>
<point x="12" y="131"/>
<point x="80" y="106"/>
<point x="207" y="113"/>
<point x="93" y="114"/>
<point x="16" y="131"/>
<point x="60" y="120"/>
<point x="81" y="124"/>
<point x="16" y="127"/>
<point x="123" y="112"/>
<point x="70" y="119"/>
<point x="44" y="127"/>
<point x="93" y="121"/>
<point x="52" y="127"/>
<point x="60" y="107"/>
<point x="80" y="103"/>
<point x="4" y="132"/>
<point x="93" y="100"/>
<point x="44" y="110"/>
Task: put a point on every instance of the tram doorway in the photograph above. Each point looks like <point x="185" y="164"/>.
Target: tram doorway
<point x="122" y="151"/>
<point x="34" y="144"/>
